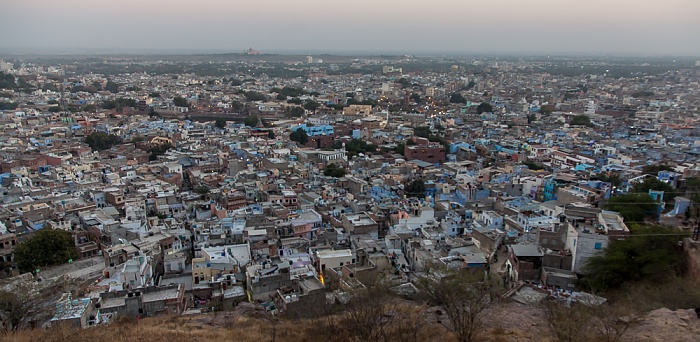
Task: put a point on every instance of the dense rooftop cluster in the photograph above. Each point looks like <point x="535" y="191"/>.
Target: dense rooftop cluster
<point x="184" y="186"/>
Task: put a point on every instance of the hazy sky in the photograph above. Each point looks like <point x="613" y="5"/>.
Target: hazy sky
<point x="621" y="27"/>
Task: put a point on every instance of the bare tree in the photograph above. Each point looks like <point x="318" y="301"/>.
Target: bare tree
<point x="568" y="323"/>
<point x="24" y="301"/>
<point x="613" y="320"/>
<point x="465" y="296"/>
<point x="578" y="322"/>
<point x="369" y="312"/>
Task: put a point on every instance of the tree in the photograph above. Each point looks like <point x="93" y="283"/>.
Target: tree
<point x="356" y="146"/>
<point x="655" y="169"/>
<point x="633" y="207"/>
<point x="254" y="96"/>
<point x="220" y="123"/>
<point x="422" y="131"/>
<point x="250" y="121"/>
<point x="415" y="189"/>
<point x="399" y="148"/>
<point x="415" y="98"/>
<point x="484" y="107"/>
<point x="159" y="150"/>
<point x="612" y="178"/>
<point x="23" y="302"/>
<point x="202" y="190"/>
<point x="653" y="183"/>
<point x="299" y="136"/>
<point x="154" y="94"/>
<point x="236" y="106"/>
<point x="152" y="112"/>
<point x="581" y="120"/>
<point x="589" y="321"/>
<point x="464" y="296"/>
<point x="366" y="314"/>
<point x="470" y="85"/>
<point x="47" y="247"/>
<point x="296" y="112"/>
<point x="531" y="118"/>
<point x="650" y="253"/>
<point x="8" y="106"/>
<point x="118" y="103"/>
<point x="533" y="166"/>
<point x="547" y="109"/>
<point x="295" y="100"/>
<point x="333" y="170"/>
<point x="112" y="87"/>
<point x="403" y="82"/>
<point x="568" y="324"/>
<point x="100" y="141"/>
<point x="311" y="105"/>
<point x="457" y="98"/>
<point x="180" y="101"/>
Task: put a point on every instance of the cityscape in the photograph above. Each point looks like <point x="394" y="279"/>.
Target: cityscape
<point x="348" y="193"/>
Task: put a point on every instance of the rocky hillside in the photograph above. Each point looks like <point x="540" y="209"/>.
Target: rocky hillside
<point x="506" y="322"/>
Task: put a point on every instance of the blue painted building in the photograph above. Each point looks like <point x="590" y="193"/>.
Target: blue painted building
<point x="313" y="131"/>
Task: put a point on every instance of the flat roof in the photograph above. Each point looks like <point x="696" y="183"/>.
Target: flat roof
<point x="527" y="250"/>
<point x="337" y="253"/>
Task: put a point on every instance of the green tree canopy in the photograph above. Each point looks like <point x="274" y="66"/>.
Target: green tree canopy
<point x="8" y="105"/>
<point x="47" y="247"/>
<point x="457" y="98"/>
<point x="254" y="96"/>
<point x="633" y="207"/>
<point x="655" y="168"/>
<point x="250" y="121"/>
<point x="299" y="136"/>
<point x="356" y="146"/>
<point x="288" y="92"/>
<point x="650" y="253"/>
<point x="422" y="131"/>
<point x="180" y="101"/>
<point x="547" y="109"/>
<point x="311" y="105"/>
<point x="118" y="103"/>
<point x="236" y="106"/>
<point x="415" y="189"/>
<point x="484" y="107"/>
<point x="653" y="183"/>
<point x="100" y="141"/>
<point x="296" y="112"/>
<point x="611" y="177"/>
<point x="531" y="118"/>
<point x="220" y="123"/>
<point x="581" y="120"/>
<point x="159" y="150"/>
<point x="112" y="87"/>
<point x="333" y="170"/>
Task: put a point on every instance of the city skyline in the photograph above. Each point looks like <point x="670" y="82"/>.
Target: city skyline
<point x="311" y="26"/>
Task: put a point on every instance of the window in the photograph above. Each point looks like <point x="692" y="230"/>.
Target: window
<point x="598" y="245"/>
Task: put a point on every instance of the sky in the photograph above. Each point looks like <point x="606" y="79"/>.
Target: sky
<point x="611" y="27"/>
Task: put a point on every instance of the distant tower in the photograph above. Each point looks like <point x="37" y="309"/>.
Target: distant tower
<point x="309" y="59"/>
